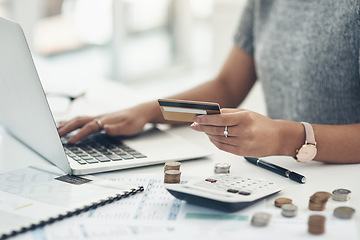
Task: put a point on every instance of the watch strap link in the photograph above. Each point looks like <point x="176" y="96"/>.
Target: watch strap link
<point x="309" y="133"/>
<point x="308" y="151"/>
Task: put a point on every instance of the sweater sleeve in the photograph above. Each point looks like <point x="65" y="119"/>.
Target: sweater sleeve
<point x="244" y="33"/>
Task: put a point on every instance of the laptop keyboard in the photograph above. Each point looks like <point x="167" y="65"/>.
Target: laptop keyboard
<point x="100" y="148"/>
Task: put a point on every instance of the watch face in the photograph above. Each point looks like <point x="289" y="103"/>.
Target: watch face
<point x="306" y="153"/>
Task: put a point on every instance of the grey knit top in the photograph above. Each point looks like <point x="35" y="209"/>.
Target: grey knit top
<point x="306" y="56"/>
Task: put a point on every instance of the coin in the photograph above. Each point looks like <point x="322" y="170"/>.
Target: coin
<point x="260" y="219"/>
<point x="289" y="210"/>
<point x="316" y="224"/>
<point x="172" y="176"/>
<point x="318" y="201"/>
<point x="341" y="195"/>
<point x="222" y="167"/>
<point x="344" y="212"/>
<point x="320" y="197"/>
<point x="280" y="201"/>
<point x="316" y="206"/>
<point x="172" y="166"/>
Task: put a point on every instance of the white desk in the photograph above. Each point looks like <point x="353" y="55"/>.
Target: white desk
<point x="320" y="177"/>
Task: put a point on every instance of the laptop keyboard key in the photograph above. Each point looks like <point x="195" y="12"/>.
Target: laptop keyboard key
<point x="127" y="157"/>
<point x="115" y="157"/>
<point x="82" y="162"/>
<point x="91" y="161"/>
<point x="103" y="159"/>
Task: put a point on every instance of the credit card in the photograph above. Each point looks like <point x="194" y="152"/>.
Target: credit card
<point x="186" y="111"/>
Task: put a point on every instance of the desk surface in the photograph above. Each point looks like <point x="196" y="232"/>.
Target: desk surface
<point x="320" y="176"/>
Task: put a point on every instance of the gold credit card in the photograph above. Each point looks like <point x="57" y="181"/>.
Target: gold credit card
<point x="186" y="111"/>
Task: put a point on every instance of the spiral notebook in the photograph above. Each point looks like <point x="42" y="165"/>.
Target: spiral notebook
<point x="33" y="197"/>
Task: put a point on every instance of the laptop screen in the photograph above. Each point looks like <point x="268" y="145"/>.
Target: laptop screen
<point x="24" y="110"/>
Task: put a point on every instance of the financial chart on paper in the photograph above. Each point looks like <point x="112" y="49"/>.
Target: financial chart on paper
<point x="155" y="203"/>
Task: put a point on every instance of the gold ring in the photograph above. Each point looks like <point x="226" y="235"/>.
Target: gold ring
<point x="226" y="131"/>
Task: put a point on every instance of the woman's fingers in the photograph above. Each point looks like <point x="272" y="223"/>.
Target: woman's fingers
<point x="124" y="122"/>
<point x="71" y="125"/>
<point x="225" y="131"/>
<point x="224" y="146"/>
<point x="241" y="132"/>
<point x="87" y="129"/>
<point x="226" y="118"/>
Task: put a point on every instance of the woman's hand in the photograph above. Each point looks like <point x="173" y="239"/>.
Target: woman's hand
<point x="125" y="122"/>
<point x="249" y="133"/>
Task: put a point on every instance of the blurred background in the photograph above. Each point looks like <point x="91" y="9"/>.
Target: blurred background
<point x="159" y="47"/>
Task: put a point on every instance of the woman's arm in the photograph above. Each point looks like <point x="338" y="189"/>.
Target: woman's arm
<point x="254" y="135"/>
<point x="229" y="88"/>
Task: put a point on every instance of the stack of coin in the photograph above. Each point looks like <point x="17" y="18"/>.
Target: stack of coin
<point x="260" y="219"/>
<point x="172" y="166"/>
<point x="280" y="201"/>
<point x="289" y="210"/>
<point x="341" y="195"/>
<point x="172" y="176"/>
<point x="344" y="212"/>
<point x="316" y="224"/>
<point x="222" y="168"/>
<point x="318" y="201"/>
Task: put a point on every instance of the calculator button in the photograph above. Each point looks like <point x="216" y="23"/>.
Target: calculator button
<point x="244" y="193"/>
<point x="232" y="190"/>
<point x="210" y="180"/>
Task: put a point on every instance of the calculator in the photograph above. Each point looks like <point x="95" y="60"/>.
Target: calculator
<point x="224" y="192"/>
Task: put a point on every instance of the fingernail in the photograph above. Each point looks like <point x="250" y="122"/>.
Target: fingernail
<point x="194" y="125"/>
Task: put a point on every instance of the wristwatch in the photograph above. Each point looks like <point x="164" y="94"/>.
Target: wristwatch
<point x="308" y="151"/>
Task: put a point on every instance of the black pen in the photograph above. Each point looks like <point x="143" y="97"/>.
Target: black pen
<point x="277" y="169"/>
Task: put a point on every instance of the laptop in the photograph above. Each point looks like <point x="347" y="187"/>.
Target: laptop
<point x="26" y="115"/>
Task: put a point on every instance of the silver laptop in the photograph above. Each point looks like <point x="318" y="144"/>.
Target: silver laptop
<point x="25" y="113"/>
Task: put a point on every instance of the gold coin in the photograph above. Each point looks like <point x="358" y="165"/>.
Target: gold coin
<point x="172" y="166"/>
<point x="280" y="201"/>
<point x="319" y="197"/>
<point x="172" y="176"/>
<point x="316" y="224"/>
<point x="316" y="206"/>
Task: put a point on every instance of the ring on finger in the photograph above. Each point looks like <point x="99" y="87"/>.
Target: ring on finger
<point x="226" y="133"/>
<point x="99" y="123"/>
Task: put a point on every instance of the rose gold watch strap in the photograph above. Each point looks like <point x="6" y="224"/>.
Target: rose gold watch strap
<point x="309" y="133"/>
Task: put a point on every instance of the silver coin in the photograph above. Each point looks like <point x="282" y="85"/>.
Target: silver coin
<point x="341" y="194"/>
<point x="289" y="210"/>
<point x="289" y="207"/>
<point x="289" y="214"/>
<point x="260" y="219"/>
<point x="344" y="212"/>
<point x="222" y="167"/>
<point x="341" y="191"/>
